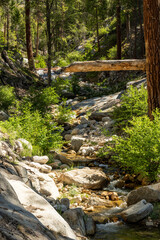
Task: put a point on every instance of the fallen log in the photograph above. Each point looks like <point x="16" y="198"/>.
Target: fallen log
<point x="107" y="65"/>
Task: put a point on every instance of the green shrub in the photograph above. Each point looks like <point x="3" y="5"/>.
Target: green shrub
<point x="75" y="56"/>
<point x="40" y="62"/>
<point x="112" y="53"/>
<point x="41" y="132"/>
<point x="133" y="103"/>
<point x="60" y="84"/>
<point x="7" y="97"/>
<point x="42" y="100"/>
<point x="63" y="113"/>
<point x="139" y="150"/>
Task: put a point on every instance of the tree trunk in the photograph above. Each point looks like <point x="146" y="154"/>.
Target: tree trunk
<point x="8" y="23"/>
<point x="5" y="26"/>
<point x="28" y="36"/>
<point x="118" y="29"/>
<point x="128" y="26"/>
<point x="141" y="27"/>
<point x="37" y="39"/>
<point x="49" y="40"/>
<point x="152" y="44"/>
<point x="135" y="31"/>
<point x="97" y="29"/>
<point x="104" y="65"/>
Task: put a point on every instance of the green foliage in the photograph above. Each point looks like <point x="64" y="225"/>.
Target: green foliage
<point x="139" y="149"/>
<point x="7" y="97"/>
<point x="61" y="84"/>
<point x="133" y="103"/>
<point x="63" y="113"/>
<point x="112" y="53"/>
<point x="41" y="132"/>
<point x="40" y="62"/>
<point x="42" y="100"/>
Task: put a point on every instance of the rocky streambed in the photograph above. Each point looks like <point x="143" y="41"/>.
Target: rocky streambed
<point x="77" y="195"/>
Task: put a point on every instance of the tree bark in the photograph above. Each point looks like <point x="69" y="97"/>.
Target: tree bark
<point x="103" y="65"/>
<point x="28" y="36"/>
<point x="97" y="29"/>
<point x="8" y="23"/>
<point x="118" y="29"/>
<point x="128" y="26"/>
<point x="152" y="44"/>
<point x="37" y="39"/>
<point x="49" y="40"/>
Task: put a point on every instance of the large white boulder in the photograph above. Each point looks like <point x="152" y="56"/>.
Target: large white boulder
<point x="40" y="159"/>
<point x="42" y="210"/>
<point x="86" y="177"/>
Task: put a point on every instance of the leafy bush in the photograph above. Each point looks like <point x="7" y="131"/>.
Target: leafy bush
<point x="42" y="100"/>
<point x="41" y="132"/>
<point x="63" y="113"/>
<point x="133" y="103"/>
<point x="60" y="84"/>
<point x="139" y="150"/>
<point x="74" y="56"/>
<point x="7" y="97"/>
<point x="40" y="62"/>
<point x="112" y="53"/>
<point x="102" y="31"/>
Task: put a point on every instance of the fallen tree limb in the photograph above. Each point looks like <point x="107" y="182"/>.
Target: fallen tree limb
<point x="105" y="65"/>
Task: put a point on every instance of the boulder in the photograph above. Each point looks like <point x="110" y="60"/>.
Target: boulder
<point x="67" y="137"/>
<point x="42" y="210"/>
<point x="77" y="142"/>
<point x="3" y="116"/>
<point x="86" y="177"/>
<point x="137" y="212"/>
<point x="98" y="115"/>
<point x="27" y="144"/>
<point x="150" y="193"/>
<point x="75" y="218"/>
<point x="90" y="225"/>
<point x="75" y="131"/>
<point x="86" y="151"/>
<point x="17" y="223"/>
<point x="40" y="159"/>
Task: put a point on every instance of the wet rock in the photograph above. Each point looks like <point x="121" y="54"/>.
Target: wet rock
<point x="150" y="193"/>
<point x="75" y="218"/>
<point x="64" y="166"/>
<point x="60" y="208"/>
<point x="86" y="177"/>
<point x="137" y="211"/>
<point x="90" y="225"/>
<point x="66" y="202"/>
<point x="40" y="159"/>
<point x="56" y="164"/>
<point x="120" y="184"/>
<point x="77" y="142"/>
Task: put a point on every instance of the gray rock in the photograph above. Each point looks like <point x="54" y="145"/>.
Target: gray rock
<point x="150" y="193"/>
<point x="68" y="137"/>
<point x="3" y="116"/>
<point x="66" y="202"/>
<point x="64" y="166"/>
<point x="86" y="151"/>
<point x="137" y="211"/>
<point x="90" y="225"/>
<point x="75" y="218"/>
<point x="98" y="115"/>
<point x="86" y="177"/>
<point x="60" y="208"/>
<point x="77" y="142"/>
<point x="75" y="131"/>
<point x="42" y="210"/>
<point x="40" y="159"/>
<point x="16" y="223"/>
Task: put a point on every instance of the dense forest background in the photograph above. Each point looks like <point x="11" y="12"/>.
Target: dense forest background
<point x="63" y="31"/>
